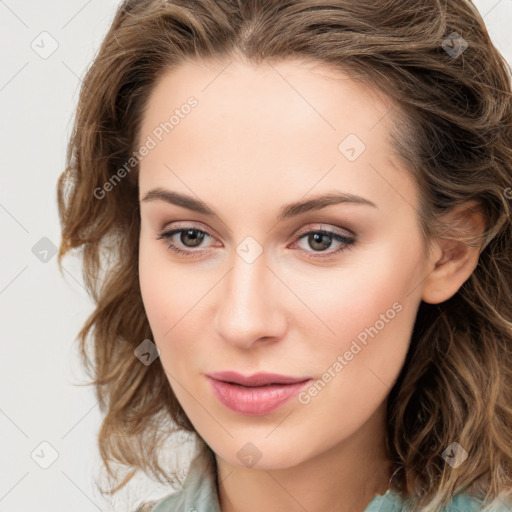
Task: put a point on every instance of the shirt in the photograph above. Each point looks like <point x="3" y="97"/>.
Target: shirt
<point x="199" y="494"/>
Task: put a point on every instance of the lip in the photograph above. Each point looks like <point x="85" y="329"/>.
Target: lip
<point x="261" y="394"/>
<point x="256" y="379"/>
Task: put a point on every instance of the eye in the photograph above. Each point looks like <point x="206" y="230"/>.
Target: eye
<point x="322" y="239"/>
<point x="189" y="237"/>
<point x="319" y="240"/>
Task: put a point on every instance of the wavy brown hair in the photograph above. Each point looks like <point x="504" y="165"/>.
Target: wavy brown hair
<point x="452" y="127"/>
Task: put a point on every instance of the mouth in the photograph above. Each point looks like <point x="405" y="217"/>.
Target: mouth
<point x="256" y="394"/>
<point x="257" y="379"/>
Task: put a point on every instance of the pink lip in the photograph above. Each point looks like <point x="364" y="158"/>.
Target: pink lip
<point x="256" y="394"/>
<point x="257" y="379"/>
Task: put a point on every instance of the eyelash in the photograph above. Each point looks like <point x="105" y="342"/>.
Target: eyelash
<point x="346" y="240"/>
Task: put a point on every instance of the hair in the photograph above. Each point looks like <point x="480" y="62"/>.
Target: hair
<point x="452" y="127"/>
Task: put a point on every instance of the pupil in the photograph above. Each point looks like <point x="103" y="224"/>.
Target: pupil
<point x="317" y="239"/>
<point x="196" y="239"/>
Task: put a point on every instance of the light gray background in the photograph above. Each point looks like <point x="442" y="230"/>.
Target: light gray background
<point x="40" y="399"/>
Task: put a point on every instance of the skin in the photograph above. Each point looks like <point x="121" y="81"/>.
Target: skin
<point x="259" y="138"/>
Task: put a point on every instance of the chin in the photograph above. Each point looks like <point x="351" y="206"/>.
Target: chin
<point x="263" y="454"/>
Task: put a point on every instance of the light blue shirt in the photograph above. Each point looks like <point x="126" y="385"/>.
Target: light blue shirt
<point x="199" y="494"/>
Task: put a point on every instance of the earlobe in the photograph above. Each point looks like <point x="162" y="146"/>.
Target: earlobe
<point x="454" y="258"/>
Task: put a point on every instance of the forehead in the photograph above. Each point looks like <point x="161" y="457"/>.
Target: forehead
<point x="238" y="91"/>
<point x="284" y="124"/>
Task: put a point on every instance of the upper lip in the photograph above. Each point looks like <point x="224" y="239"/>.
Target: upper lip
<point x="256" y="379"/>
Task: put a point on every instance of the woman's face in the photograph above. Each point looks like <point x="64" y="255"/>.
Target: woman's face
<point x="262" y="286"/>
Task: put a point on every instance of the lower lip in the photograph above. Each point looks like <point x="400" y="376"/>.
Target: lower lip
<point x="256" y="400"/>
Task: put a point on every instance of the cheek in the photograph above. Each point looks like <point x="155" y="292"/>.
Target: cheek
<point x="158" y="292"/>
<point x="366" y="291"/>
<point x="356" y="370"/>
<point x="164" y="287"/>
<point x="370" y="312"/>
<point x="166" y="306"/>
<point x="154" y="297"/>
<point x="173" y="295"/>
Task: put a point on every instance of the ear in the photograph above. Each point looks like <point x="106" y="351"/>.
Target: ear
<point x="452" y="260"/>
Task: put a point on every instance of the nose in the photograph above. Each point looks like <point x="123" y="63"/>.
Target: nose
<point x="250" y="305"/>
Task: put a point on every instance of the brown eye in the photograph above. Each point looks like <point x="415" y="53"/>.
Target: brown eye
<point x="192" y="236"/>
<point x="189" y="238"/>
<point x="321" y="240"/>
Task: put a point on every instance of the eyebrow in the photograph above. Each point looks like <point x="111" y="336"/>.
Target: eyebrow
<point x="290" y="210"/>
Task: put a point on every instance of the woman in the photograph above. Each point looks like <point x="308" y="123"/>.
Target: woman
<point x="295" y="223"/>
